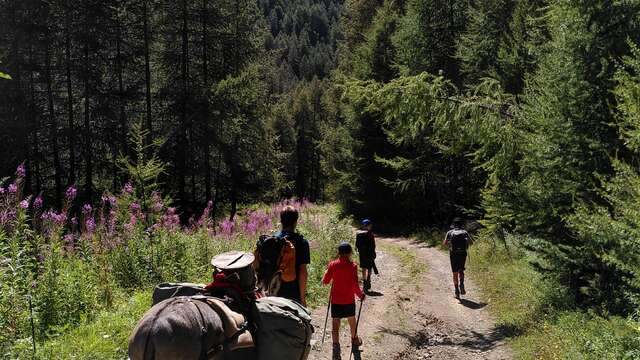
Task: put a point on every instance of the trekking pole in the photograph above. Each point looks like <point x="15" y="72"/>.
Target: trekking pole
<point x="357" y="324"/>
<point x="326" y="319"/>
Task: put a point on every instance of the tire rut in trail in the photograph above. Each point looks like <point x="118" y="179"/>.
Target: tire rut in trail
<point x="417" y="316"/>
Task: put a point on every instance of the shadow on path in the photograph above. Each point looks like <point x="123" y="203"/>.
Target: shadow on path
<point x="472" y="304"/>
<point x="373" y="293"/>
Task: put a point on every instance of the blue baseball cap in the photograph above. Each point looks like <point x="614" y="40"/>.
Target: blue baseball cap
<point x="366" y="222"/>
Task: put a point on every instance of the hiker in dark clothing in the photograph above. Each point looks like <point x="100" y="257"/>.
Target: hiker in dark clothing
<point x="297" y="289"/>
<point x="366" y="245"/>
<point x="343" y="275"/>
<point x="458" y="241"/>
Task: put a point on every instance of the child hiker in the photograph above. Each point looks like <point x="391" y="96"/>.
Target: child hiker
<point x="343" y="275"/>
<point x="366" y="245"/>
<point x="458" y="241"/>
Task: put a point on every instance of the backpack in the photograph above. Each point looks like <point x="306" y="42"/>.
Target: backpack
<point x="364" y="244"/>
<point x="284" y="329"/>
<point x="459" y="240"/>
<point x="276" y="262"/>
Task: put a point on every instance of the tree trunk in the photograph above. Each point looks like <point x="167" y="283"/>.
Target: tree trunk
<point x="183" y="113"/>
<point x="53" y="122"/>
<point x="87" y="122"/>
<point x="205" y="113"/>
<point x="35" y="123"/>
<point x="70" y="111"/>
<point x="20" y="105"/>
<point x="121" y="95"/>
<point x="147" y="71"/>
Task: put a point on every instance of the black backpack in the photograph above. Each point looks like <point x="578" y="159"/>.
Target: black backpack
<point x="268" y="250"/>
<point x="459" y="240"/>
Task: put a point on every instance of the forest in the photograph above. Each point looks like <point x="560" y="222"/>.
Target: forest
<point x="522" y="115"/>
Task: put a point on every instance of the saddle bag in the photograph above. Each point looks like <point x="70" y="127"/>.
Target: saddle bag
<point x="284" y="329"/>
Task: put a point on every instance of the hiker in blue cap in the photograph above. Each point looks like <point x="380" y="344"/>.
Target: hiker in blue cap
<point x="458" y="241"/>
<point x="366" y="245"/>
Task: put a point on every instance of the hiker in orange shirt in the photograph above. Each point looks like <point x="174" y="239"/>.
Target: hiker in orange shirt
<point x="343" y="274"/>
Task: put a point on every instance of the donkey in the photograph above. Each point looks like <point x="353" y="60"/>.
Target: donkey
<point x="181" y="328"/>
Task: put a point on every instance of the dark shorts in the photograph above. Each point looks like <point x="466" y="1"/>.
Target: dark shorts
<point x="366" y="262"/>
<point x="339" y="311"/>
<point x="458" y="260"/>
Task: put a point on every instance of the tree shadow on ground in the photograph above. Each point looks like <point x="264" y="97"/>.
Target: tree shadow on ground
<point x="472" y="304"/>
<point x="469" y="339"/>
<point x="374" y="293"/>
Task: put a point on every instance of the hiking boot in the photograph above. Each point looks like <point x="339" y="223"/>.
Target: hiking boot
<point x="462" y="291"/>
<point x="367" y="285"/>
<point x="336" y="352"/>
<point x="356" y="342"/>
<point x="457" y="294"/>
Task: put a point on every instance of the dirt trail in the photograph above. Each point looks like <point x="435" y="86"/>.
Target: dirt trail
<point x="416" y="315"/>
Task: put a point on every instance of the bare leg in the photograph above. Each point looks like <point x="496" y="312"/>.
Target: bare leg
<point x="352" y="325"/>
<point x="455" y="283"/>
<point x="335" y="331"/>
<point x="335" y="335"/>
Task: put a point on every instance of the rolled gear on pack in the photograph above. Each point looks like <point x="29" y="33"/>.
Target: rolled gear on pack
<point x="237" y="267"/>
<point x="275" y="262"/>
<point x="166" y="291"/>
<point x="284" y="329"/>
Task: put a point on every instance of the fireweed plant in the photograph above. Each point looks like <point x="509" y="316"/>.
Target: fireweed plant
<point x="78" y="265"/>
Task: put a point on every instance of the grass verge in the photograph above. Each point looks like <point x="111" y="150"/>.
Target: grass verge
<point x="537" y="315"/>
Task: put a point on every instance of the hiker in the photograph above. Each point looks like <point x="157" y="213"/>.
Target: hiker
<point x="458" y="241"/>
<point x="366" y="245"/>
<point x="343" y="275"/>
<point x="297" y="289"/>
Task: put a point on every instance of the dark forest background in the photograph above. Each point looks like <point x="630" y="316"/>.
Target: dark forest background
<point x="520" y="114"/>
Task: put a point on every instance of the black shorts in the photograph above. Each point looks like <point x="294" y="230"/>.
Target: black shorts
<point x="366" y="262"/>
<point x="340" y="311"/>
<point x="458" y="260"/>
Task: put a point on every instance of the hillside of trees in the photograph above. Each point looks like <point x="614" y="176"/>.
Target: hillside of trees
<point x="201" y="76"/>
<point x="521" y="114"/>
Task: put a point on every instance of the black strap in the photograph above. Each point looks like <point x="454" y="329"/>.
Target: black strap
<point x="203" y="329"/>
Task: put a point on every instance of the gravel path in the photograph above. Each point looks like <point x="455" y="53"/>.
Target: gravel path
<point x="416" y="316"/>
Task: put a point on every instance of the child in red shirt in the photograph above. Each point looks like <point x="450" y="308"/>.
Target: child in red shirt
<point x="343" y="272"/>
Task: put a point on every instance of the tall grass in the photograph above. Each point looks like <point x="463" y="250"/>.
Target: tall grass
<point x="536" y="313"/>
<point x="89" y="270"/>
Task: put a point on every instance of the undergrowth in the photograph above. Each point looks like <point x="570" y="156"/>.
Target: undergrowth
<point x="538" y="316"/>
<point x="73" y="283"/>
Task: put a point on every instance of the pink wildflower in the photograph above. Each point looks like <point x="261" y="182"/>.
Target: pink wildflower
<point x="37" y="203"/>
<point x="71" y="193"/>
<point x="21" y="171"/>
<point x="128" y="188"/>
<point x="24" y="204"/>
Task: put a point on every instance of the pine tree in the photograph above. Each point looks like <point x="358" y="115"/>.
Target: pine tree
<point x="427" y="36"/>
